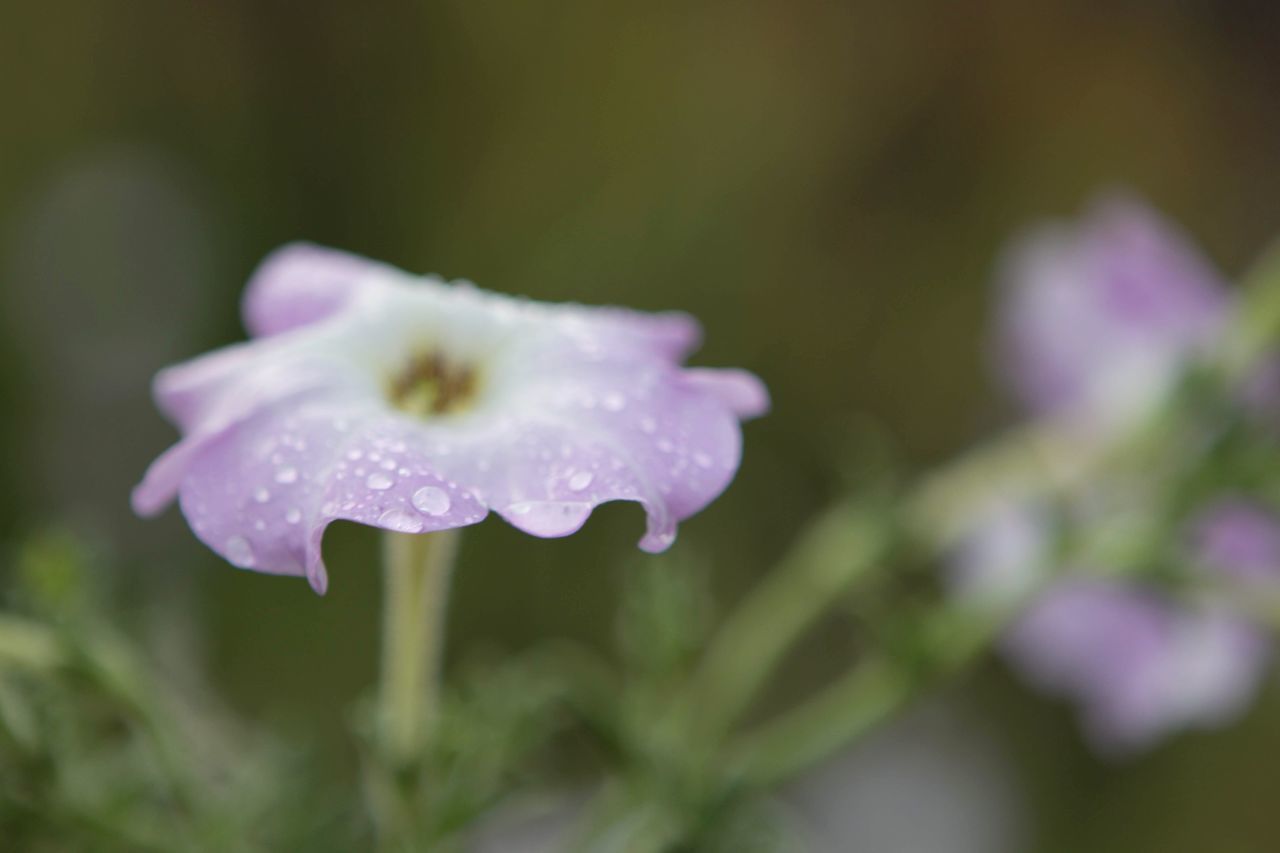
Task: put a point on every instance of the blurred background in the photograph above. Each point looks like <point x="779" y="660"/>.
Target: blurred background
<point x="826" y="185"/>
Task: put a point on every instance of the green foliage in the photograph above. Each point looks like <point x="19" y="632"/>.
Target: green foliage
<point x="98" y="753"/>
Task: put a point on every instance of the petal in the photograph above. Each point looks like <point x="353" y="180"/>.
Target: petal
<point x="671" y="334"/>
<point x="300" y="284"/>
<point x="184" y="392"/>
<point x="742" y="392"/>
<point x="1098" y="319"/>
<point x="262" y="493"/>
<point x="559" y="449"/>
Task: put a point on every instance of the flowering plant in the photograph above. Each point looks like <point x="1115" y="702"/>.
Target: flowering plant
<point x="1118" y="545"/>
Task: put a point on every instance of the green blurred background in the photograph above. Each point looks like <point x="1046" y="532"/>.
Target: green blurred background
<point x="824" y="184"/>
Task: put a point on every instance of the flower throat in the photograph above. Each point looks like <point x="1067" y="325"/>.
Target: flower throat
<point x="430" y="385"/>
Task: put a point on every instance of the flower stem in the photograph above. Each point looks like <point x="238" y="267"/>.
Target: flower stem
<point x="862" y="699"/>
<point x="843" y="545"/>
<point x="417" y="568"/>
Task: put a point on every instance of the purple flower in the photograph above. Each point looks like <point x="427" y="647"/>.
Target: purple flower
<point x="1138" y="663"/>
<point x="1098" y="321"/>
<point x="414" y="405"/>
<point x="1099" y="318"/>
<point x="1239" y="539"/>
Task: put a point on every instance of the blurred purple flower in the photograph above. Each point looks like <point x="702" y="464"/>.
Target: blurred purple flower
<point x="1099" y="318"/>
<point x="1097" y="323"/>
<point x="1138" y="663"/>
<point x="1139" y="666"/>
<point x="414" y="405"/>
<point x="1240" y="539"/>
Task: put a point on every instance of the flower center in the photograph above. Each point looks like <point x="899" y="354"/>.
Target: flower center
<point x="431" y="385"/>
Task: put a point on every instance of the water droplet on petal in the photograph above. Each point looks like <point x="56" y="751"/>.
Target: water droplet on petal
<point x="379" y="481"/>
<point x="399" y="520"/>
<point x="581" y="480"/>
<point x="388" y="464"/>
<point x="293" y="516"/>
<point x="614" y="401"/>
<point x="648" y="425"/>
<point x="287" y="475"/>
<point x="703" y="460"/>
<point x="662" y="540"/>
<point x="431" y="500"/>
<point x="550" y="518"/>
<point x="354" y="454"/>
<point x="261" y="495"/>
<point x="239" y="552"/>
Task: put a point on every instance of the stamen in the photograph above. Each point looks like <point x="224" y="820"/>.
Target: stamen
<point x="430" y="385"/>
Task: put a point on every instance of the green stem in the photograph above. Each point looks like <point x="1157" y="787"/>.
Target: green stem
<point x="842" y="545"/>
<point x="851" y="706"/>
<point x="417" y="570"/>
<point x="863" y="698"/>
<point x="1259" y="323"/>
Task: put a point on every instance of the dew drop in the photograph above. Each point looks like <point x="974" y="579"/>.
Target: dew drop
<point x="388" y="464"/>
<point x="431" y="500"/>
<point x="293" y="516"/>
<point x="240" y="552"/>
<point x="287" y="475"/>
<point x="379" y="481"/>
<point x="354" y="454"/>
<point x="703" y="460"/>
<point x="580" y="480"/>
<point x="648" y="425"/>
<point x="261" y="495"/>
<point x="399" y="520"/>
<point x="614" y="401"/>
<point x="666" y="446"/>
<point x="660" y="541"/>
<point x="550" y="518"/>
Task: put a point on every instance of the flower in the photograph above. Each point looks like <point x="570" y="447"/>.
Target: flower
<point x="1098" y="320"/>
<point x="1239" y="539"/>
<point x="1139" y="663"/>
<point x="1098" y="323"/>
<point x="414" y="405"/>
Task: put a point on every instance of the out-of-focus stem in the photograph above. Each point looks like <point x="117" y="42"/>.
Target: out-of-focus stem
<point x="1259" y="317"/>
<point x="863" y="698"/>
<point x="843" y="544"/>
<point x="417" y="571"/>
<point x="28" y="644"/>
